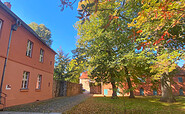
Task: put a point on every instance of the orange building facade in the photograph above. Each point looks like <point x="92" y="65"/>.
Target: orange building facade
<point x="29" y="71"/>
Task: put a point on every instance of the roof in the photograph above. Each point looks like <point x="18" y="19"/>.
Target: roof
<point x="84" y="75"/>
<point x="181" y="71"/>
<point x="3" y="6"/>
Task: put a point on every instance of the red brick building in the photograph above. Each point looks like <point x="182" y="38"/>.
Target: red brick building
<point x="146" y="87"/>
<point x="28" y="74"/>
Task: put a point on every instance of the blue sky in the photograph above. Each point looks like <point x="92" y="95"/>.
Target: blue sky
<point x="48" y="12"/>
<point x="60" y="23"/>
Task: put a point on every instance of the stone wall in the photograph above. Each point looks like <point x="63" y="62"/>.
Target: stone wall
<point x="73" y="89"/>
<point x="63" y="88"/>
<point x="56" y="88"/>
<point x="95" y="89"/>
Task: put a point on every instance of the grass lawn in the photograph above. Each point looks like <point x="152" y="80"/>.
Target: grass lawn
<point x="139" y="105"/>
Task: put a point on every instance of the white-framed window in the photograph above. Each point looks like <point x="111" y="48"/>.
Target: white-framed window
<point x="29" y="48"/>
<point x="25" y="80"/>
<point x="39" y="79"/>
<point x="1" y="23"/>
<point x="41" y="59"/>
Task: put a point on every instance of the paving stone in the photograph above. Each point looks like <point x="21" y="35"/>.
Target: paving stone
<point x="52" y="106"/>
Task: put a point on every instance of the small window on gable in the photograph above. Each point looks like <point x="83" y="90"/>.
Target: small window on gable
<point x="41" y="59"/>
<point x="1" y="23"/>
<point x="180" y="79"/>
<point x="29" y="48"/>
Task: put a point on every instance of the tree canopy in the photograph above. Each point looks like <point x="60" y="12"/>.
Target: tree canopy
<point x="153" y="27"/>
<point x="110" y="54"/>
<point x="43" y="32"/>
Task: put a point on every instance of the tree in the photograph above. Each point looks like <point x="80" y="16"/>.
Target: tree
<point x="61" y="67"/>
<point x="43" y="32"/>
<point x="77" y="65"/>
<point x="160" y="25"/>
<point x="67" y="69"/>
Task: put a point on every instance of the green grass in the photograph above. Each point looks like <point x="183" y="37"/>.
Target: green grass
<point x="139" y="105"/>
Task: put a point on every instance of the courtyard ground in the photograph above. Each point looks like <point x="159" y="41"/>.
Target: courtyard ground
<point x="139" y="105"/>
<point x="60" y="104"/>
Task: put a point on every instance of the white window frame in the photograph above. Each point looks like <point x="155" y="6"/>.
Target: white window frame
<point x="39" y="79"/>
<point x="41" y="59"/>
<point x="1" y="23"/>
<point x="25" y="80"/>
<point x="29" y="48"/>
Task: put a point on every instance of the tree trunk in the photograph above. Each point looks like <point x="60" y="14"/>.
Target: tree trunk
<point x="167" y="95"/>
<point x="129" y="83"/>
<point x="114" y="93"/>
<point x="130" y="87"/>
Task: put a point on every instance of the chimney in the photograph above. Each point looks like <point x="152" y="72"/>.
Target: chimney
<point x="8" y="4"/>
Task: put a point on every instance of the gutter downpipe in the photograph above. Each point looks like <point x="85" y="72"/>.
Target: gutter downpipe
<point x="13" y="28"/>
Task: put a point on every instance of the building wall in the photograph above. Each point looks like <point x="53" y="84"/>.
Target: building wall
<point x="14" y="77"/>
<point x="73" y="89"/>
<point x="177" y="85"/>
<point x="85" y="84"/>
<point x="70" y="89"/>
<point x="147" y="87"/>
<point x="18" y="62"/>
<point x="95" y="89"/>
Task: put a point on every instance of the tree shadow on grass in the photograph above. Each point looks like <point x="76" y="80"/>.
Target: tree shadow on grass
<point x="139" y="105"/>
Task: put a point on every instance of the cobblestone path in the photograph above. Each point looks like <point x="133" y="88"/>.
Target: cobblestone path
<point x="60" y="104"/>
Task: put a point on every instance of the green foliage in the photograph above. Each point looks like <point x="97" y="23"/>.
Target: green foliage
<point x="43" y="32"/>
<point x="161" y="25"/>
<point x="67" y="69"/>
<point x="61" y="67"/>
<point x="107" y="48"/>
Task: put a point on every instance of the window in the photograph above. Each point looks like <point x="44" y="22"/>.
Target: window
<point x="141" y="91"/>
<point x="181" y="91"/>
<point x="141" y="79"/>
<point x="41" y="55"/>
<point x="39" y="78"/>
<point x="154" y="91"/>
<point x="1" y="23"/>
<point x="118" y="92"/>
<point x="25" y="80"/>
<point x="29" y="48"/>
<point x="180" y="79"/>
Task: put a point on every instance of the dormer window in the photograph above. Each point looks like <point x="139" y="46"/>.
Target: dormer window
<point x="41" y="59"/>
